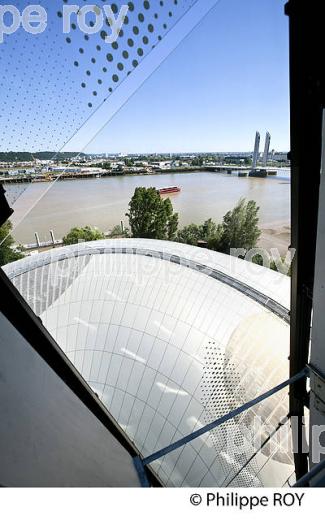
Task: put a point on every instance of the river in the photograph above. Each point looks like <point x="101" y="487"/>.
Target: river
<point x="103" y="202"/>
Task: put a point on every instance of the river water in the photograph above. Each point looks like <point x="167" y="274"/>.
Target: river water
<point x="103" y="202"/>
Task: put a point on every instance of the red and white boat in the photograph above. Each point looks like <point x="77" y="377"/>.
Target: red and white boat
<point x="169" y="189"/>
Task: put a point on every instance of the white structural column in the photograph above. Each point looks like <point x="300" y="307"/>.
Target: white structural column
<point x="317" y="357"/>
<point x="256" y="149"/>
<point x="266" y="148"/>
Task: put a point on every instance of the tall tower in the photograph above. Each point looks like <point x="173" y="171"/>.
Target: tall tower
<point x="256" y="149"/>
<point x="266" y="148"/>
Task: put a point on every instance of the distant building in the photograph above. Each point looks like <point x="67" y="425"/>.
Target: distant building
<point x="280" y="156"/>
<point x="162" y="165"/>
<point x="67" y="169"/>
<point x="234" y="159"/>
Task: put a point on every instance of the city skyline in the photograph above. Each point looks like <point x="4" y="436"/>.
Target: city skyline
<point x="156" y="152"/>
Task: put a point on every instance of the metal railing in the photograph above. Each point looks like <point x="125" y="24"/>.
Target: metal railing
<point x="140" y="464"/>
<point x="314" y="472"/>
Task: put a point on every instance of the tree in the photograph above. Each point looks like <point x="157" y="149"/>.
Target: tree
<point x="106" y="165"/>
<point x="128" y="162"/>
<point x="85" y="234"/>
<point x="259" y="260"/>
<point x="209" y="231"/>
<point x="172" y="222"/>
<point x="197" y="161"/>
<point x="117" y="231"/>
<point x="189" y="234"/>
<point x="8" y="251"/>
<point x="150" y="216"/>
<point x="240" y="227"/>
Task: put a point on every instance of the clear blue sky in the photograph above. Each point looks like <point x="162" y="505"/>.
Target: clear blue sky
<point x="226" y="80"/>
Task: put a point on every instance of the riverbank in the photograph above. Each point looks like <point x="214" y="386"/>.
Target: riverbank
<point x="276" y="236"/>
<point x="126" y="172"/>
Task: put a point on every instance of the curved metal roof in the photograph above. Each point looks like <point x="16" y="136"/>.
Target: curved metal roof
<point x="171" y="337"/>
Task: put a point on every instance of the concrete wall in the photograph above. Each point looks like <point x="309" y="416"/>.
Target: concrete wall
<point x="48" y="437"/>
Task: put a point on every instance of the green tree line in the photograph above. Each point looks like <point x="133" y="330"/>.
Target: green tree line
<point x="9" y="252"/>
<point x="150" y="216"/>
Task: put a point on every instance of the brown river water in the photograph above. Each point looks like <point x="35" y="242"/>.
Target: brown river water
<point x="103" y="202"/>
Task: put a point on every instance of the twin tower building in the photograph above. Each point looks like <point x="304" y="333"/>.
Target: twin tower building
<point x="257" y="149"/>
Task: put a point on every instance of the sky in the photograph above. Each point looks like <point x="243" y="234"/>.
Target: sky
<point x="226" y="79"/>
